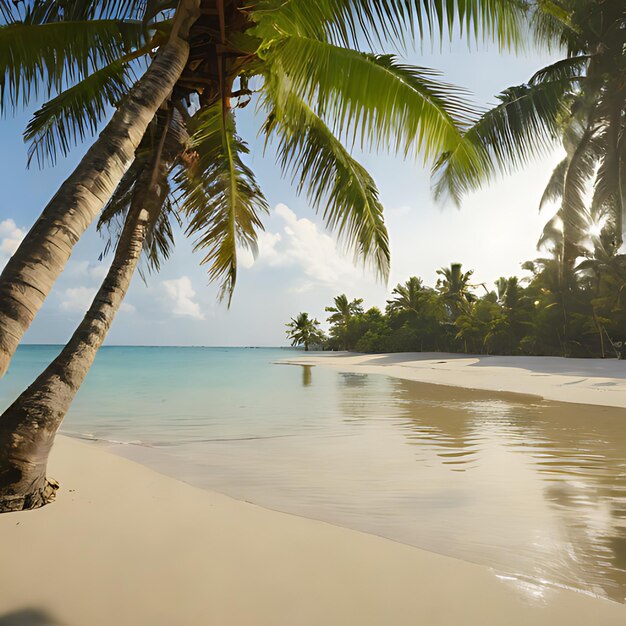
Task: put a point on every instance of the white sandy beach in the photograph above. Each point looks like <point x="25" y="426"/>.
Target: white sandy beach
<point x="127" y="546"/>
<point x="583" y="381"/>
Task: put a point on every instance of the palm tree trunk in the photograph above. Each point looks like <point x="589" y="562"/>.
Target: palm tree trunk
<point x="28" y="426"/>
<point x="30" y="274"/>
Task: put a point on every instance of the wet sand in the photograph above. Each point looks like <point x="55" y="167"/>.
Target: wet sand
<point x="582" y="381"/>
<point x="125" y="545"/>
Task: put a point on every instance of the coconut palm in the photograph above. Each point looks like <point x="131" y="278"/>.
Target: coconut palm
<point x="340" y="316"/>
<point x="580" y="99"/>
<point x="304" y="331"/>
<point x="302" y="58"/>
<point x="407" y="297"/>
<point x="344" y="309"/>
<point x="143" y="201"/>
<point x="306" y="73"/>
<point x="81" y="55"/>
<point x="454" y="286"/>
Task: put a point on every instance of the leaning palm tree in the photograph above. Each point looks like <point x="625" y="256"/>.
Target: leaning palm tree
<point x="83" y="54"/>
<point x="302" y="57"/>
<point x="142" y="201"/>
<point x="304" y="331"/>
<point x="308" y="78"/>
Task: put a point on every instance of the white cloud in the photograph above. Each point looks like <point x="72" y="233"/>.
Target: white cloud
<point x="267" y="243"/>
<point x="78" y="299"/>
<point x="88" y="269"/>
<point x="180" y="293"/>
<point x="303" y="245"/>
<point x="10" y="238"/>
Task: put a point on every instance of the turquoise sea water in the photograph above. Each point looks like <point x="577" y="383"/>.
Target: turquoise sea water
<point x="536" y="490"/>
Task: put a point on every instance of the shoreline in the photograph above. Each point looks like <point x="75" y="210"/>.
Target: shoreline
<point x="124" y="544"/>
<point x="578" y="381"/>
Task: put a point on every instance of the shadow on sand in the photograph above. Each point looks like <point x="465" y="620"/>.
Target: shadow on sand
<point x="28" y="617"/>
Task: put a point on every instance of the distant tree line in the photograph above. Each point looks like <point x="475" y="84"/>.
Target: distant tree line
<point x="537" y="315"/>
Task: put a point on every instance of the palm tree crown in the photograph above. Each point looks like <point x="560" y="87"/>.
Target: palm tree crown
<point x="303" y="64"/>
<point x="454" y="285"/>
<point x="304" y="331"/>
<point x="407" y="297"/>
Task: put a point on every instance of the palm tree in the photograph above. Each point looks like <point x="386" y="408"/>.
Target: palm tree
<point x="307" y="73"/>
<point x="344" y="309"/>
<point x="580" y="99"/>
<point x="43" y="48"/>
<point x="340" y="316"/>
<point x="304" y="331"/>
<point x="408" y="297"/>
<point x="302" y="59"/>
<point x="454" y="286"/>
<point x="142" y="200"/>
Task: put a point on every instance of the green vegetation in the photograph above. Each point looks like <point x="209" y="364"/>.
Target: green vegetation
<point x="529" y="316"/>
<point x="304" y="331"/>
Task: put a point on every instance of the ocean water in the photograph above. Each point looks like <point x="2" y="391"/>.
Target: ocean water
<point x="536" y="490"/>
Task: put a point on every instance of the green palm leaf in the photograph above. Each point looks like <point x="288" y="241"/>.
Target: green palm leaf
<point x="554" y="189"/>
<point x="219" y="195"/>
<point x="38" y="60"/>
<point x="76" y="112"/>
<point x="373" y="99"/>
<point x="332" y="178"/>
<point x="526" y="124"/>
<point x="347" y="21"/>
<point x="45" y="11"/>
<point x="574" y="212"/>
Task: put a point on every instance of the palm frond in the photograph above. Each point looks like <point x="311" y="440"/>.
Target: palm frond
<point x="373" y="99"/>
<point x="45" y="11"/>
<point x="39" y="60"/>
<point x="219" y="196"/>
<point x="524" y="125"/>
<point x="570" y="68"/>
<point x="146" y="185"/>
<point x="553" y="191"/>
<point x="334" y="181"/>
<point x="574" y="211"/>
<point x="552" y="233"/>
<point x="349" y="21"/>
<point x="76" y="113"/>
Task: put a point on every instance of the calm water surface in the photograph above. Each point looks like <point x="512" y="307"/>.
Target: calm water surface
<point x="534" y="489"/>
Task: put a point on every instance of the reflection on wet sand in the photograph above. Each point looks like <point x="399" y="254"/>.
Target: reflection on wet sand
<point x="534" y="489"/>
<point x="307" y="376"/>
<point x="567" y="496"/>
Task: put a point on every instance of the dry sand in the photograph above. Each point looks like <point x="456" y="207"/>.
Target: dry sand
<point x="583" y="381"/>
<point x="124" y="545"/>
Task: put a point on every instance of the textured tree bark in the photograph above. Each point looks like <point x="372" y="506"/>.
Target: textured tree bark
<point x="28" y="426"/>
<point x="29" y="275"/>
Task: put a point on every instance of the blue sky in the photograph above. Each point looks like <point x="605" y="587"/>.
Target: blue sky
<point x="300" y="267"/>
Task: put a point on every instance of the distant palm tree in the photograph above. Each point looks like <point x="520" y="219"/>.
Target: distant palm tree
<point x="408" y="297"/>
<point x="454" y="286"/>
<point x="344" y="309"/>
<point x="341" y="314"/>
<point x="509" y="292"/>
<point x="304" y="331"/>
